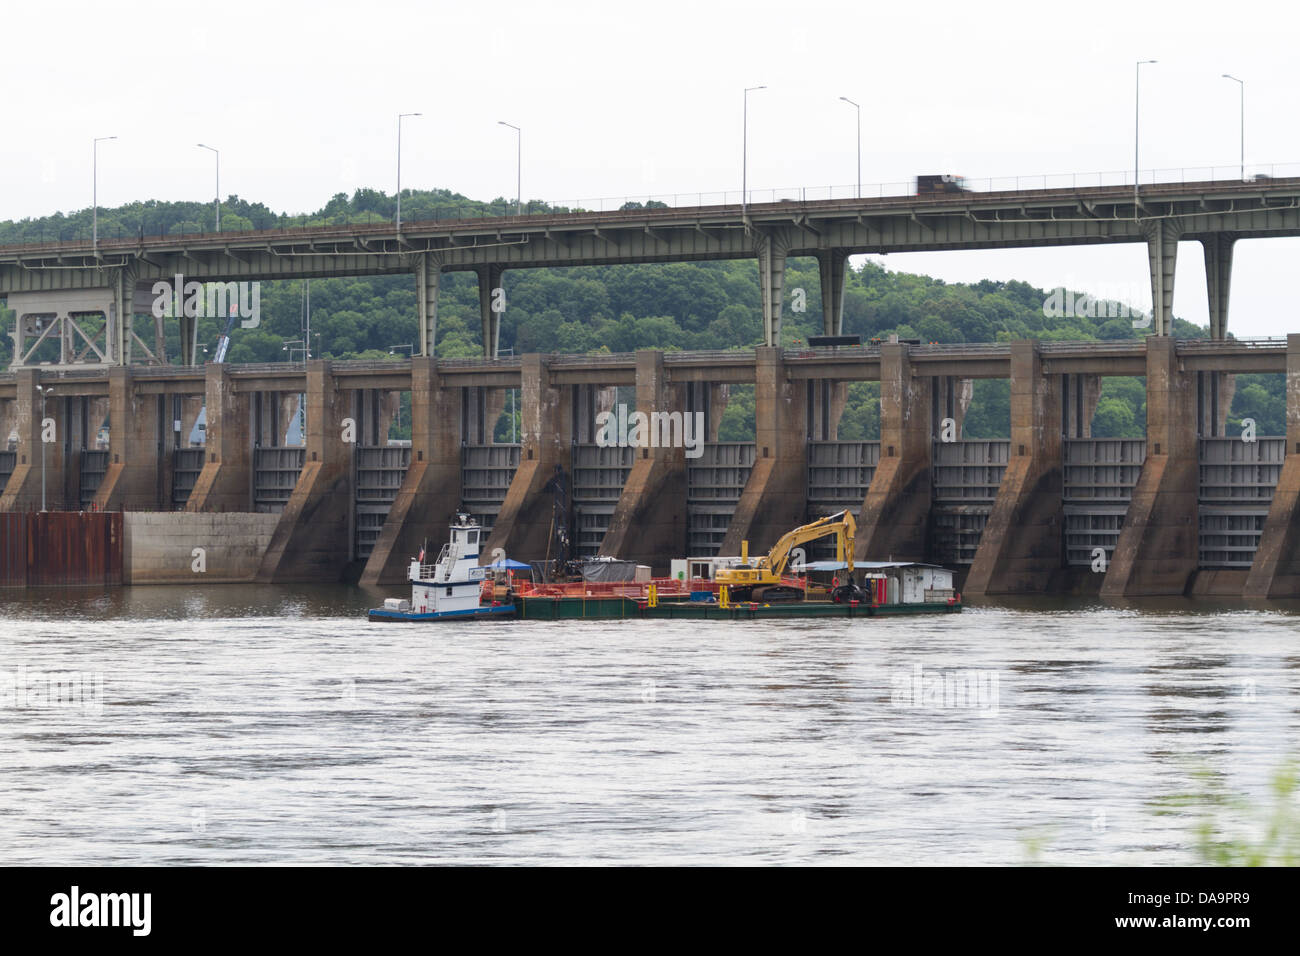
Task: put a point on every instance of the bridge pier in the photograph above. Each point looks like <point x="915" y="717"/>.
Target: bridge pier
<point x="1275" y="571"/>
<point x="771" y="251"/>
<point x="428" y="279"/>
<point x="1162" y="254"/>
<point x="894" y="518"/>
<point x="1218" y="279"/>
<point x="775" y="498"/>
<point x="489" y="280"/>
<point x="1021" y="547"/>
<point x="431" y="490"/>
<point x="831" y="268"/>
<point x="314" y="530"/>
<point x="23" y="490"/>
<point x="1157" y="550"/>
<point x="649" y="521"/>
<point x="138" y="469"/>
<point x="524" y="523"/>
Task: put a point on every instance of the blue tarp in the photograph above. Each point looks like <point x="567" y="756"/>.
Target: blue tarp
<point x="505" y="564"/>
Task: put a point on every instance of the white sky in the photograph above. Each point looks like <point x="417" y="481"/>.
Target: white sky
<point x="622" y="99"/>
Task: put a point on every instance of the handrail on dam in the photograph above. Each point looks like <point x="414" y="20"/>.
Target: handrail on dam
<point x="961" y="351"/>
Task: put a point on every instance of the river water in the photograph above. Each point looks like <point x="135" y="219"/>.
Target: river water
<point x="258" y="724"/>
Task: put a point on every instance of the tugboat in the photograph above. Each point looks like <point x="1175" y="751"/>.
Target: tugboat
<point x="450" y="588"/>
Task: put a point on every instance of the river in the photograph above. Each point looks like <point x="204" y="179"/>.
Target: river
<point x="260" y="724"/>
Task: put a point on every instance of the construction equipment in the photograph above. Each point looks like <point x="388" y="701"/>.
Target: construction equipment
<point x="762" y="580"/>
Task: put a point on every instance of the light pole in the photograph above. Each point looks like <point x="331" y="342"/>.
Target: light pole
<point x="859" y="111"/>
<point x="1137" y="126"/>
<point x="1242" y="84"/>
<point x="519" y="163"/>
<point x="744" y="154"/>
<point x="94" y="191"/>
<point x="400" y="117"/>
<point x="217" y="153"/>
<point x="43" y="392"/>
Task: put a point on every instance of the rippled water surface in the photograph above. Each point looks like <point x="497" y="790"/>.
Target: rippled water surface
<point x="274" y="725"/>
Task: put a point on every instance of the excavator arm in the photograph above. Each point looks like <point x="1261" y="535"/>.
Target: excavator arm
<point x="841" y="525"/>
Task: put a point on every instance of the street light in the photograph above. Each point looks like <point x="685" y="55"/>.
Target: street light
<point x="43" y="392"/>
<point x="410" y="349"/>
<point x="519" y="163"/>
<point x="1137" y="127"/>
<point x="216" y="152"/>
<point x="1242" y="84"/>
<point x="859" y="111"/>
<point x="94" y="187"/>
<point x="400" y="117"/>
<point x="744" y="154"/>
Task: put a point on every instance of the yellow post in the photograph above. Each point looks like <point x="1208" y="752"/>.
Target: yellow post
<point x="724" y="599"/>
<point x="652" y="595"/>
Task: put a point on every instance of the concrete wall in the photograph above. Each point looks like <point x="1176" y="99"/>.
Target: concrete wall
<point x="159" y="546"/>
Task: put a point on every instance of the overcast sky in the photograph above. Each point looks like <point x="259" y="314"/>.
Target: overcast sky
<point x="620" y="99"/>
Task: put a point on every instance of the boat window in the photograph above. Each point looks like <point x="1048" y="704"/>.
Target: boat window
<point x="448" y="592"/>
<point x="473" y="537"/>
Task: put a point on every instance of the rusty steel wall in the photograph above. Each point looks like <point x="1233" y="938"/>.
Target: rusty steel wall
<point x="61" y="549"/>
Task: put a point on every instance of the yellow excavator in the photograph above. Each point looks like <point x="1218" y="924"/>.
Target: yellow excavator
<point x="761" y="581"/>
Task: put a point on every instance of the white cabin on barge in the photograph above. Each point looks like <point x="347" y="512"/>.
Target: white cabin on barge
<point x="453" y="583"/>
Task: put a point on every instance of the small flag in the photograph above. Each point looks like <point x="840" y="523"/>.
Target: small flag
<point x="421" y="557"/>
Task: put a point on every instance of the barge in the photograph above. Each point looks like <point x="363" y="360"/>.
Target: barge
<point x="457" y="587"/>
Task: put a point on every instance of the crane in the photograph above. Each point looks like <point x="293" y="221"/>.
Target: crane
<point x="761" y="581"/>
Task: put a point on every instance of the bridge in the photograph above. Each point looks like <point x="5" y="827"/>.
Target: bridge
<point x="1188" y="509"/>
<point x="55" y="286"/>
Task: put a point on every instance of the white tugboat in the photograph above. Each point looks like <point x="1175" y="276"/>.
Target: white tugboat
<point x="450" y="587"/>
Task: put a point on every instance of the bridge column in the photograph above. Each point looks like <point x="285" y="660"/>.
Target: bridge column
<point x="226" y="481"/>
<point x="428" y="278"/>
<point x="770" y="250"/>
<point x="1021" y="548"/>
<point x="896" y="512"/>
<point x="1157" y="550"/>
<point x="489" y="280"/>
<point x="23" y="490"/>
<point x="136" y="473"/>
<point x="1162" y="255"/>
<point x="649" y="523"/>
<point x="1276" y="569"/>
<point x="1218" y="279"/>
<point x="431" y="491"/>
<point x="831" y="266"/>
<point x="523" y="526"/>
<point x="313" y="539"/>
<point x="775" y="498"/>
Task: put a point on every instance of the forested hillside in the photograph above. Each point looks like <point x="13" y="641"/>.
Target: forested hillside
<point x="622" y="308"/>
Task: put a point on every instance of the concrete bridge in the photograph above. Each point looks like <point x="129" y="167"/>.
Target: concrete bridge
<point x="1188" y="509"/>
<point x="55" y="287"/>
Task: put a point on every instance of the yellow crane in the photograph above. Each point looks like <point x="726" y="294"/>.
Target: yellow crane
<point x="761" y="581"/>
